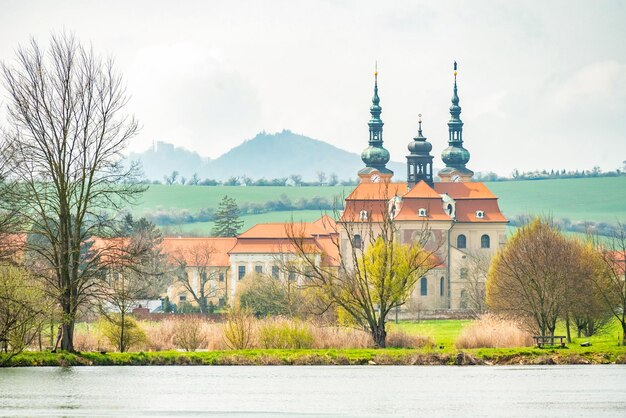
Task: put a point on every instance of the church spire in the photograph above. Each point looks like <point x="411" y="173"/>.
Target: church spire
<point x="455" y="156"/>
<point x="375" y="156"/>
<point x="419" y="162"/>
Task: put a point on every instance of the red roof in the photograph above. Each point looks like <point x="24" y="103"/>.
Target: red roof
<point x="465" y="190"/>
<point x="198" y="251"/>
<point x="422" y="190"/>
<point x="377" y="191"/>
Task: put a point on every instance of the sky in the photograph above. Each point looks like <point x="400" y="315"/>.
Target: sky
<point x="542" y="84"/>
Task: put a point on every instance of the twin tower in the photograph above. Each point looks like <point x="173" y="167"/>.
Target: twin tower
<point x="419" y="161"/>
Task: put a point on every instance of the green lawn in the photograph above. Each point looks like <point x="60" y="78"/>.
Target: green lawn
<point x="442" y="331"/>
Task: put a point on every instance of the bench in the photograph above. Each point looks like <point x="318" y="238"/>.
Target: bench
<point x="540" y="341"/>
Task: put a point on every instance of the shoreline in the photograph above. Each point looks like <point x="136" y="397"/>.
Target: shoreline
<point x="324" y="357"/>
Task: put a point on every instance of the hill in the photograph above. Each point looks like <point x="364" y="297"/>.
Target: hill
<point x="264" y="156"/>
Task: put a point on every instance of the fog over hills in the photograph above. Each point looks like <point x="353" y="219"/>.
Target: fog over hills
<point x="264" y="156"/>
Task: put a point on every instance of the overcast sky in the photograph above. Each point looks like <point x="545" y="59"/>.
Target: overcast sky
<point x="542" y="83"/>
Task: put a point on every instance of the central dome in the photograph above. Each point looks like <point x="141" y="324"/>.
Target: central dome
<point x="375" y="156"/>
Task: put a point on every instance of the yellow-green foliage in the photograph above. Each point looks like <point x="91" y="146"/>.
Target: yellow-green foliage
<point x="238" y="329"/>
<point x="112" y="329"/>
<point x="285" y="334"/>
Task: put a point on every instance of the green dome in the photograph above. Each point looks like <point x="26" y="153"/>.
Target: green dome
<point x="375" y="156"/>
<point x="455" y="156"/>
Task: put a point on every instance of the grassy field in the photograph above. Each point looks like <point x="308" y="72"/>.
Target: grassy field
<point x="587" y="199"/>
<point x="603" y="350"/>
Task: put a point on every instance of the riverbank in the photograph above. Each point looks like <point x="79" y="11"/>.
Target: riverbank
<point x="508" y="356"/>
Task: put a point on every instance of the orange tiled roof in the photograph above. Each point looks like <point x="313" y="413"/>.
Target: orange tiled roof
<point x="422" y="190"/>
<point x="326" y="223"/>
<point x="377" y="191"/>
<point x="282" y="230"/>
<point x="466" y="210"/>
<point x="465" y="190"/>
<point x="434" y="210"/>
<point x="191" y="250"/>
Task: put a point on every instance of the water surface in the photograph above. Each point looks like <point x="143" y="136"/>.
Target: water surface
<point x="347" y="391"/>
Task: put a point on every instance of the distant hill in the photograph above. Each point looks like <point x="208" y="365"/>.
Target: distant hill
<point x="264" y="156"/>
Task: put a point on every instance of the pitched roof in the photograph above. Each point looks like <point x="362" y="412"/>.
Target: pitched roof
<point x="327" y="223"/>
<point x="465" y="190"/>
<point x="194" y="251"/>
<point x="466" y="210"/>
<point x="410" y="209"/>
<point x="282" y="230"/>
<point x="422" y="190"/>
<point x="377" y="191"/>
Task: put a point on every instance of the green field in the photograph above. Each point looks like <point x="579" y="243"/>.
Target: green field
<point x="586" y="199"/>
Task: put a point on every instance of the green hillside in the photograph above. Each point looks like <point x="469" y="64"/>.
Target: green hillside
<point x="587" y="199"/>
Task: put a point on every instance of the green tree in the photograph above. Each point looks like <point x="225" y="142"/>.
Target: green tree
<point x="227" y="222"/>
<point x="375" y="274"/>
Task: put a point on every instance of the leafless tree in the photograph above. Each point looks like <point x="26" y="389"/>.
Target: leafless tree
<point x="474" y="273"/>
<point x="206" y="284"/>
<point x="65" y="134"/>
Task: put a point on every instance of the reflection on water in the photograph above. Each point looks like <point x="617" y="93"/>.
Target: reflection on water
<point x="314" y="391"/>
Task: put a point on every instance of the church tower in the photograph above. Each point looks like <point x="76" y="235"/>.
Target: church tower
<point x="375" y="156"/>
<point x="455" y="156"/>
<point x="419" y="164"/>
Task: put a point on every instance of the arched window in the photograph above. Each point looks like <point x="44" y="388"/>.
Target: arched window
<point x="424" y="286"/>
<point x="484" y="241"/>
<point x="356" y="241"/>
<point x="442" y="286"/>
<point x="461" y="241"/>
<point x="363" y="215"/>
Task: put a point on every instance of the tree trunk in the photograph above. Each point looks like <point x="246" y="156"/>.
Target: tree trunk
<point x="379" y="335"/>
<point x="623" y="332"/>
<point x="67" y="340"/>
<point x="122" y="329"/>
<point x="567" y="327"/>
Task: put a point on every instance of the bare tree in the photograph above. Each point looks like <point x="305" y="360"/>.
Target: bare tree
<point x="206" y="284"/>
<point x="64" y="142"/>
<point x="474" y="273"/>
<point x="373" y="273"/>
<point x="135" y="270"/>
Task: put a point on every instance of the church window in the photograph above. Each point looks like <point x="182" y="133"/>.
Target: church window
<point x="356" y="241"/>
<point x="258" y="269"/>
<point x="422" y="212"/>
<point x="442" y="286"/>
<point x="424" y="286"/>
<point x="292" y="275"/>
<point x="480" y="214"/>
<point x="275" y="272"/>
<point x="484" y="241"/>
<point x="461" y="241"/>
<point x="363" y="215"/>
<point x="221" y="277"/>
<point x="241" y="272"/>
<point x="449" y="209"/>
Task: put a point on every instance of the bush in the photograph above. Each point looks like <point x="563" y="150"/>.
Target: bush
<point x="282" y="333"/>
<point x="238" y="329"/>
<point x="399" y="339"/>
<point x="111" y="327"/>
<point x="189" y="333"/>
<point x="491" y="331"/>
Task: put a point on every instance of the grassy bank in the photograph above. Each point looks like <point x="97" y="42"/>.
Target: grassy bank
<point x="446" y="356"/>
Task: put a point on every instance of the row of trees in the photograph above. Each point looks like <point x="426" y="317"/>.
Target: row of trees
<point x="596" y="171"/>
<point x="543" y="277"/>
<point x="293" y="180"/>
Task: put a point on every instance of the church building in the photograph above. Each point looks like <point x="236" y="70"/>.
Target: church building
<point x="462" y="217"/>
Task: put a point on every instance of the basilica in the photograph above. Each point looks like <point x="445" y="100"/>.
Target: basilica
<point x="461" y="216"/>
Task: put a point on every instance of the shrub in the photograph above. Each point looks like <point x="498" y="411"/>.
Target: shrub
<point x="491" y="331"/>
<point x="189" y="333"/>
<point x="238" y="329"/>
<point x="111" y="328"/>
<point x="399" y="339"/>
<point x="283" y="333"/>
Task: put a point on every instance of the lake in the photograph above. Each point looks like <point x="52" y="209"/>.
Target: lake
<point x="347" y="391"/>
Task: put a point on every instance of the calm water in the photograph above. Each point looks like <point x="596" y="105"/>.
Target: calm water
<point x="564" y="391"/>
